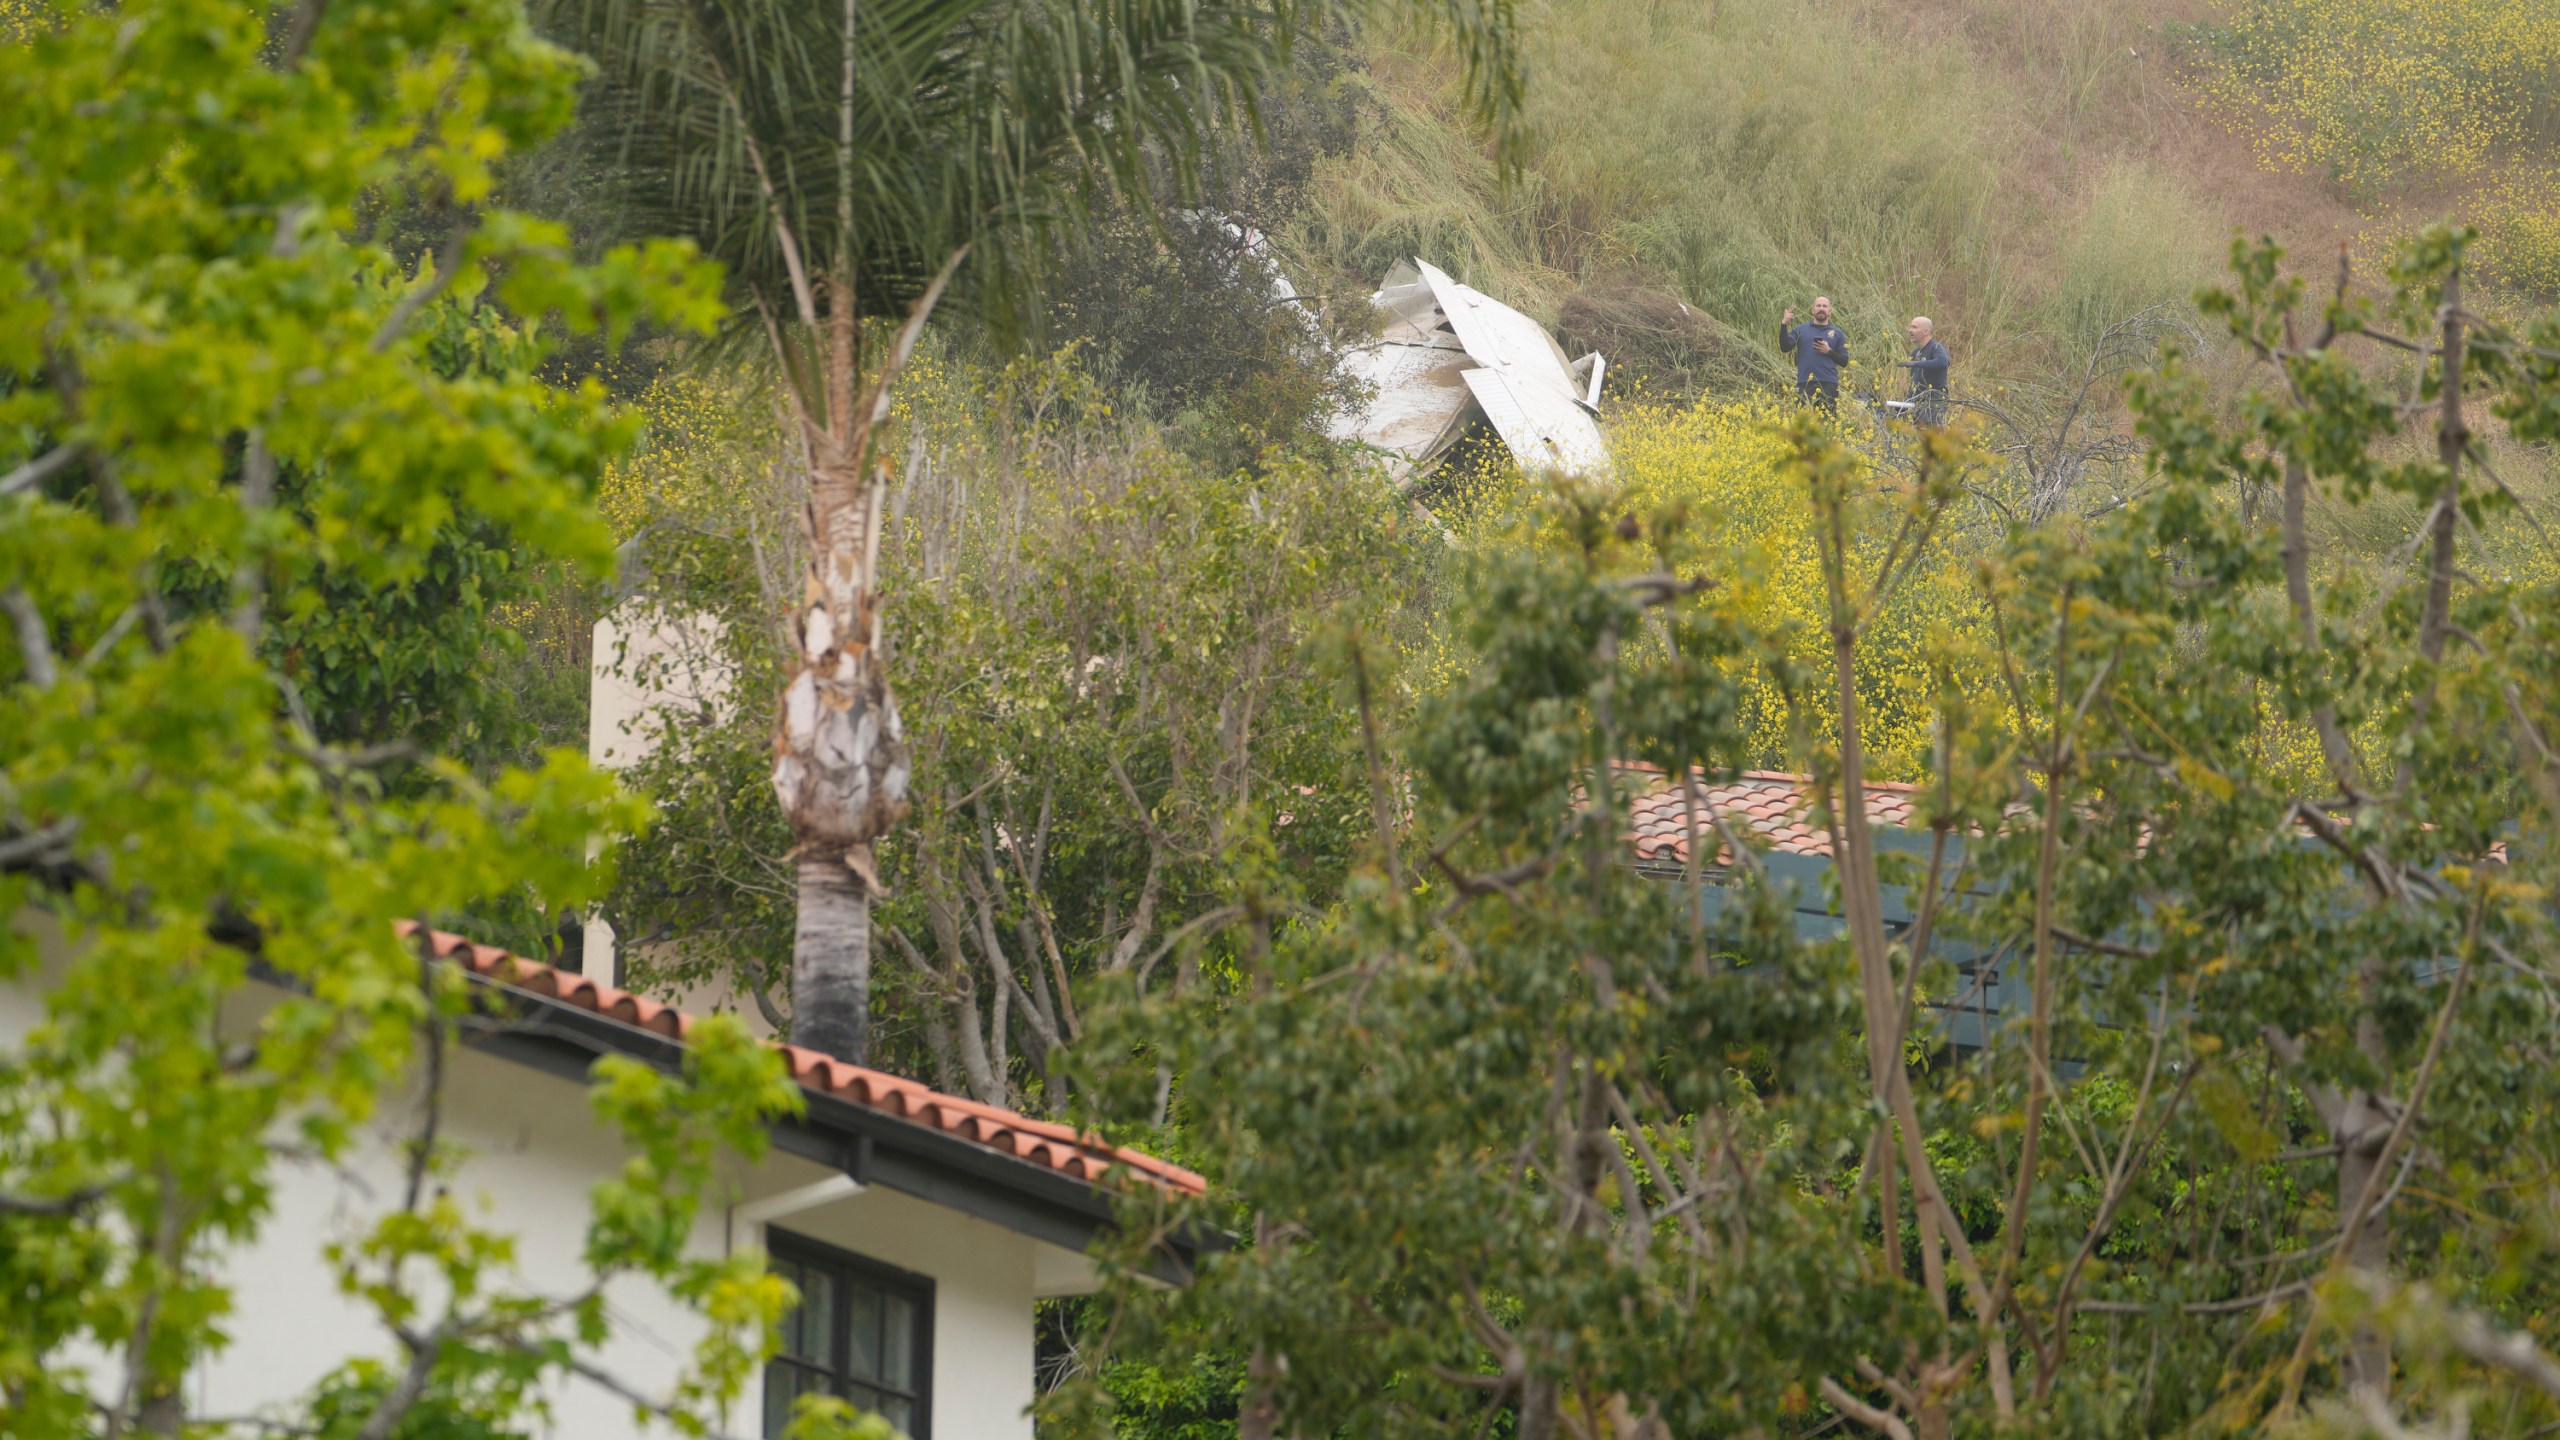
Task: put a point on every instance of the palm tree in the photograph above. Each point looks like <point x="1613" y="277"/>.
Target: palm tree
<point x="849" y="163"/>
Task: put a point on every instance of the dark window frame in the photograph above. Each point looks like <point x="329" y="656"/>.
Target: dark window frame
<point x="916" y="1289"/>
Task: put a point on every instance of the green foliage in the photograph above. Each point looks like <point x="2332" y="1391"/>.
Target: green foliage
<point x="1105" y="657"/>
<point x="1415" y="1174"/>
<point x="1172" y="306"/>
<point x="1181" y="319"/>
<point x="967" y="127"/>
<point x="825" y="1417"/>
<point x="342" y="1404"/>
<point x="703" y="506"/>
<point x="1714" y="470"/>
<point x="1526" y="1140"/>
<point x="295" y="475"/>
<point x="405" y="662"/>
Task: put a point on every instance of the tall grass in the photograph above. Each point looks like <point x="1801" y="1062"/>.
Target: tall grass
<point x="2139" y="241"/>
<point x="1749" y="154"/>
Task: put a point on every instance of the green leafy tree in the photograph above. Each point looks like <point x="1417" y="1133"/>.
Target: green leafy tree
<point x="1128" y="740"/>
<point x="2243" y="856"/>
<point x="1107" y="681"/>
<point x="232" y="425"/>
<point x="846" y="162"/>
<point x="1175" y="306"/>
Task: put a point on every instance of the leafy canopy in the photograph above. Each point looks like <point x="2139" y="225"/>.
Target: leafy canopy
<point x="2155" y="1079"/>
<point x="865" y="145"/>
<point x="231" y="422"/>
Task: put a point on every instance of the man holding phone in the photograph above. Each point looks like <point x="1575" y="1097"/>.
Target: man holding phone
<point x="1820" y="350"/>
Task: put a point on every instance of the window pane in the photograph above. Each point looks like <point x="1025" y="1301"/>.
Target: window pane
<point x="865" y="1359"/>
<point x="855" y="1334"/>
<point x="897" y="1345"/>
<point x="817" y="1316"/>
<point x="791" y="1319"/>
<point x="897" y="1409"/>
<point x="785" y="1382"/>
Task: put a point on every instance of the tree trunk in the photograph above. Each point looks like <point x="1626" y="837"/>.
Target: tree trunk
<point x="831" y="960"/>
<point x="947" y="1074"/>
<point x="2368" y="1349"/>
<point x="840" y="761"/>
<point x="1541" y="1408"/>
<point x="1259" y="1419"/>
<point x="983" y="1080"/>
<point x="840" y="754"/>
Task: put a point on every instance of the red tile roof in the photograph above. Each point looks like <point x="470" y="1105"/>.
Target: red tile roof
<point x="1036" y="1142"/>
<point x="1773" y="807"/>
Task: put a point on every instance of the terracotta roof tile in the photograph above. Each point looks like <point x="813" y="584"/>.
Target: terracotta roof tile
<point x="1767" y="805"/>
<point x="1044" y="1143"/>
<point x="1774" y="806"/>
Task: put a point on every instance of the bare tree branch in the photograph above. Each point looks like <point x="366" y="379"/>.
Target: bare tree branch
<point x="424" y="1350"/>
<point x="1185" y="931"/>
<point x="2259" y="1301"/>
<point x="2510" y="1350"/>
<point x="35" y="649"/>
<point x="418" y="297"/>
<point x="35" y="471"/>
<point x="297" y="41"/>
<point x="1859" y="1410"/>
<point x="1141" y="920"/>
<point x="1381" y="805"/>
<point x="72" y="1203"/>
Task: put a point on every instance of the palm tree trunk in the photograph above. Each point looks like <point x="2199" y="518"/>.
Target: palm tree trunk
<point x="840" y="761"/>
<point x="840" y="765"/>
<point x="831" y="961"/>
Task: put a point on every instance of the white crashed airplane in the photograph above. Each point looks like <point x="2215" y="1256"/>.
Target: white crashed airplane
<point x="1449" y="353"/>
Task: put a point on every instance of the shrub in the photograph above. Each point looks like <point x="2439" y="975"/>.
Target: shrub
<point x="1717" y="466"/>
<point x="2371" y="91"/>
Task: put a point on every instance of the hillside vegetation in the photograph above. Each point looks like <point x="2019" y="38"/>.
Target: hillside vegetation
<point x="2025" y="171"/>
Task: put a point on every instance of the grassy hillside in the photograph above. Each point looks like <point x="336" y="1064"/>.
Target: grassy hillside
<point x="2026" y="171"/>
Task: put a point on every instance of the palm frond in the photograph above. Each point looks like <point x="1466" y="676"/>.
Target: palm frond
<point x="985" y="124"/>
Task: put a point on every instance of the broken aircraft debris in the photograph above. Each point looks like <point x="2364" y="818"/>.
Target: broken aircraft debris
<point x="1451" y="355"/>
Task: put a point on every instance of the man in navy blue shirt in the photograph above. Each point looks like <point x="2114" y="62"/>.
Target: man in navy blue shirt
<point x="1820" y="350"/>
<point x="1928" y="367"/>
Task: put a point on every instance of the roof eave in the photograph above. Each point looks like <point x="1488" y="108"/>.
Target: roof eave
<point x="871" y="1147"/>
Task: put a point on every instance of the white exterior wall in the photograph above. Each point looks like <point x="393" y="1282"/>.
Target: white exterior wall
<point x="637" y="668"/>
<point x="656" y="664"/>
<point x="534" y="1151"/>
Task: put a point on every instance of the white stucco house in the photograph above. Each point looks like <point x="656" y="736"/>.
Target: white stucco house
<point x="919" y="1227"/>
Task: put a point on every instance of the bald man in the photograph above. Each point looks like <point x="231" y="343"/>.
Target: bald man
<point x="1928" y="367"/>
<point x="1820" y="350"/>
